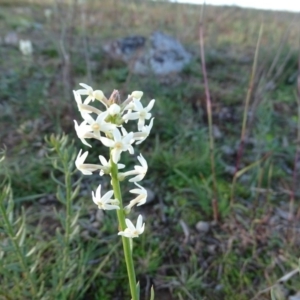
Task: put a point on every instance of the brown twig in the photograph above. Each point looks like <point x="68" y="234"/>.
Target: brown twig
<point x="65" y="45"/>
<point x="248" y="97"/>
<point x="209" y="115"/>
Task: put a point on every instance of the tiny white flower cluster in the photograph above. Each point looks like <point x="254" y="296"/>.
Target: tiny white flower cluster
<point x="107" y="127"/>
<point x="25" y="47"/>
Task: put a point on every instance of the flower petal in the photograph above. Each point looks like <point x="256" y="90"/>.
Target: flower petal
<point x="129" y="224"/>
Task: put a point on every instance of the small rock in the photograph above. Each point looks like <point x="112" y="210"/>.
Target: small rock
<point x="203" y="226"/>
<point x="219" y="287"/>
<point x="245" y="178"/>
<point x="96" y="224"/>
<point x="230" y="170"/>
<point x="48" y="199"/>
<point x="11" y="38"/>
<point x="85" y="234"/>
<point x="274" y="220"/>
<point x="212" y="249"/>
<point x="225" y="114"/>
<point x="216" y="132"/>
<point x="283" y="214"/>
<point x="227" y="150"/>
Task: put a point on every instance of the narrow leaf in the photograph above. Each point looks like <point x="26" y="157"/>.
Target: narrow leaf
<point x="138" y="289"/>
<point x="31" y="251"/>
<point x="75" y="192"/>
<point x="152" y="293"/>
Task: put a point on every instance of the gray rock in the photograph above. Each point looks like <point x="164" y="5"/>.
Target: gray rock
<point x="161" y="54"/>
<point x="125" y="49"/>
<point x="11" y="38"/>
<point x="295" y="297"/>
<point x="227" y="150"/>
<point x="217" y="132"/>
<point x="202" y="226"/>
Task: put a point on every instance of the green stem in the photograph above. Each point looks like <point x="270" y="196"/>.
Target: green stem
<point x="68" y="214"/>
<point x="68" y="205"/>
<point x="67" y="226"/>
<point x="122" y="225"/>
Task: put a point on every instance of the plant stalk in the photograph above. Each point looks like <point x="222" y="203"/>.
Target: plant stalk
<point x="246" y="108"/>
<point x="210" y="123"/>
<point x="122" y="225"/>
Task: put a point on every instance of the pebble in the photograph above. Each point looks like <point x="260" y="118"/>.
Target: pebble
<point x="202" y="226"/>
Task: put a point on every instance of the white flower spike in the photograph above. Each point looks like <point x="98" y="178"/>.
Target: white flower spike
<point x="105" y="202"/>
<point x="133" y="231"/>
<point x="108" y="127"/>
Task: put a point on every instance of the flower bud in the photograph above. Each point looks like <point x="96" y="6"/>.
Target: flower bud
<point x="121" y="176"/>
<point x="127" y="210"/>
<point x="114" y="109"/>
<point x="137" y="94"/>
<point x="99" y="95"/>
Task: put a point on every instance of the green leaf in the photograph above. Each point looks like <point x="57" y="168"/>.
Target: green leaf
<point x="75" y="192"/>
<point x="138" y="290"/>
<point x="60" y="195"/>
<point x="152" y="293"/>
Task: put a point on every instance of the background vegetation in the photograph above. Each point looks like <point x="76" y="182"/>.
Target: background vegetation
<point x="55" y="244"/>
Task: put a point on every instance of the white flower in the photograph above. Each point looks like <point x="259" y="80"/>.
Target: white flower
<point x="106" y="166"/>
<point x="119" y="144"/>
<point x="84" y="132"/>
<point x="140" y="199"/>
<point x="133" y="231"/>
<point x="83" y="107"/>
<point x="99" y="124"/>
<point x="141" y="113"/>
<point x="86" y="169"/>
<point x="105" y="202"/>
<point x="144" y="133"/>
<point x="25" y="47"/>
<point x="114" y="109"/>
<point x="137" y="95"/>
<point x="128" y="103"/>
<point x="48" y="13"/>
<point x="125" y="133"/>
<point x="140" y="171"/>
<point x="91" y="94"/>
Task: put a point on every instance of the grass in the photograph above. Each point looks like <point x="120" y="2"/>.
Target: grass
<point x="54" y="244"/>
